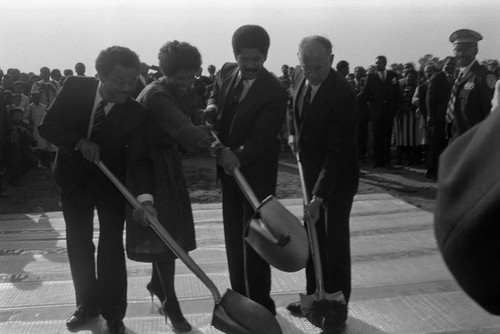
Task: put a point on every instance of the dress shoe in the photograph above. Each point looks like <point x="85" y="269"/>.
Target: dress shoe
<point x="81" y="317"/>
<point x="294" y="308"/>
<point x="174" y="313"/>
<point x="116" y="326"/>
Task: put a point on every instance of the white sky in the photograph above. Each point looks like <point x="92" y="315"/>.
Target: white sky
<point x="59" y="33"/>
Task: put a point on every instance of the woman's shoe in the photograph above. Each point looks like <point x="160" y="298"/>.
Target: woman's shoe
<point x="176" y="318"/>
<point x="153" y="292"/>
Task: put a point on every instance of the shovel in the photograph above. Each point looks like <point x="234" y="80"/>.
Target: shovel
<point x="233" y="313"/>
<point x="274" y="232"/>
<point x="318" y="306"/>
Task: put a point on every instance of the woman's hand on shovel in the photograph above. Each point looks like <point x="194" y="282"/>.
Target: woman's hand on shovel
<point x="140" y="215"/>
<point x="314" y="209"/>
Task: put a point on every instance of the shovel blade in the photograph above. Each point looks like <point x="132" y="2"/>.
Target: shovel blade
<point x="278" y="236"/>
<point x="316" y="306"/>
<point x="236" y="314"/>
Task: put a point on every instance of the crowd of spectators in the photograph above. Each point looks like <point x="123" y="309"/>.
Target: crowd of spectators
<point x="412" y="126"/>
<point x="24" y="98"/>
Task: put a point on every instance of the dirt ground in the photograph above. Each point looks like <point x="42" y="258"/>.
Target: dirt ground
<point x="40" y="194"/>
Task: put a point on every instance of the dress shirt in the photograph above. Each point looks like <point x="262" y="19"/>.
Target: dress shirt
<point x="314" y="90"/>
<point x="464" y="70"/>
<point x="247" y="84"/>
<point x="382" y="75"/>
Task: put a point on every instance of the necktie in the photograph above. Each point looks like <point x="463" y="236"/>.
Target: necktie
<point x="238" y="90"/>
<point x="306" y="103"/>
<point x="450" y="110"/>
<point x="99" y="117"/>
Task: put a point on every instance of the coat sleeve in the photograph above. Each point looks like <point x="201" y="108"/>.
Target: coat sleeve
<point x="52" y="127"/>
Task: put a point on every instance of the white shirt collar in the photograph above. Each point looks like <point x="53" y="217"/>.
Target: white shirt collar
<point x="465" y="70"/>
<point x="314" y="89"/>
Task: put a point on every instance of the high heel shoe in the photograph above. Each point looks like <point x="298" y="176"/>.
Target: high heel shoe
<point x="153" y="292"/>
<point x="176" y="318"/>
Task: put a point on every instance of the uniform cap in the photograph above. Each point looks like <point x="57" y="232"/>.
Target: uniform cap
<point x="465" y="36"/>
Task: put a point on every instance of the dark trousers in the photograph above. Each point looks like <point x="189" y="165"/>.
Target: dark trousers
<point x="334" y="243"/>
<point x="107" y="291"/>
<point x="382" y="133"/>
<point x="19" y="162"/>
<point x="437" y="144"/>
<point x="249" y="274"/>
<point x="363" y="122"/>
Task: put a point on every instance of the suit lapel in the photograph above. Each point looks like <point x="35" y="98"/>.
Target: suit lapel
<point x="228" y="83"/>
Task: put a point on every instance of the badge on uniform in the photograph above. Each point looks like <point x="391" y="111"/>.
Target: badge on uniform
<point x="469" y="85"/>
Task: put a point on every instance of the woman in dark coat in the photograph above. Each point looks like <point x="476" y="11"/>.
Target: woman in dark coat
<point x="169" y="128"/>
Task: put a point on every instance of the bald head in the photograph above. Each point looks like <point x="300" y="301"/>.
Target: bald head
<point x="316" y="58"/>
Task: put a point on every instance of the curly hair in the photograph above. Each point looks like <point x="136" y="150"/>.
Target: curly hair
<point x="178" y="56"/>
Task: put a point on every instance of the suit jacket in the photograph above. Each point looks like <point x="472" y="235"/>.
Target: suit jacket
<point x="438" y="94"/>
<point x="253" y="133"/>
<point x="467" y="212"/>
<point x="327" y="137"/>
<point x="121" y="137"/>
<point x="473" y="97"/>
<point x="382" y="96"/>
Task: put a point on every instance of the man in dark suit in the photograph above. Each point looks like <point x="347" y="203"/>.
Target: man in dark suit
<point x="438" y="93"/>
<point x="249" y="105"/>
<point x="94" y="121"/>
<point x="384" y="97"/>
<point x="324" y="135"/>
<point x="470" y="96"/>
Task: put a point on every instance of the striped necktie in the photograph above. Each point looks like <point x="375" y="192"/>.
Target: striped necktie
<point x="450" y="110"/>
<point x="99" y="117"/>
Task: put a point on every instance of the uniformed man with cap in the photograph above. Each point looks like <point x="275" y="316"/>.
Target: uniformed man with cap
<point x="470" y="97"/>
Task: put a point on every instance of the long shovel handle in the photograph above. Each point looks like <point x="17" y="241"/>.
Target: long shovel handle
<point x="245" y="188"/>
<point x="164" y="235"/>
<point x="242" y="182"/>
<point x="313" y="236"/>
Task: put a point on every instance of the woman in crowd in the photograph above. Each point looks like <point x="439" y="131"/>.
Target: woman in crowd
<point x="169" y="128"/>
<point x="405" y="125"/>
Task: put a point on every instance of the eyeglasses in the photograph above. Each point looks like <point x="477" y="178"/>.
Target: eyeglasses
<point x="316" y="69"/>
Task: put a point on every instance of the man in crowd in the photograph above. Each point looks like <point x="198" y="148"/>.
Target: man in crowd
<point x="363" y="114"/>
<point x="383" y="95"/>
<point x="80" y="69"/>
<point x="248" y="106"/>
<point x="324" y="135"/>
<point x="470" y="97"/>
<point x="211" y="73"/>
<point x="20" y="158"/>
<point x="46" y="87"/>
<point x="92" y="121"/>
<point x="438" y="94"/>
<point x="343" y="68"/>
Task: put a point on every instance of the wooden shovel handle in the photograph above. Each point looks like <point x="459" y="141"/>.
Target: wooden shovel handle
<point x="242" y="182"/>
<point x="163" y="234"/>
<point x="245" y="188"/>
<point x="313" y="236"/>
